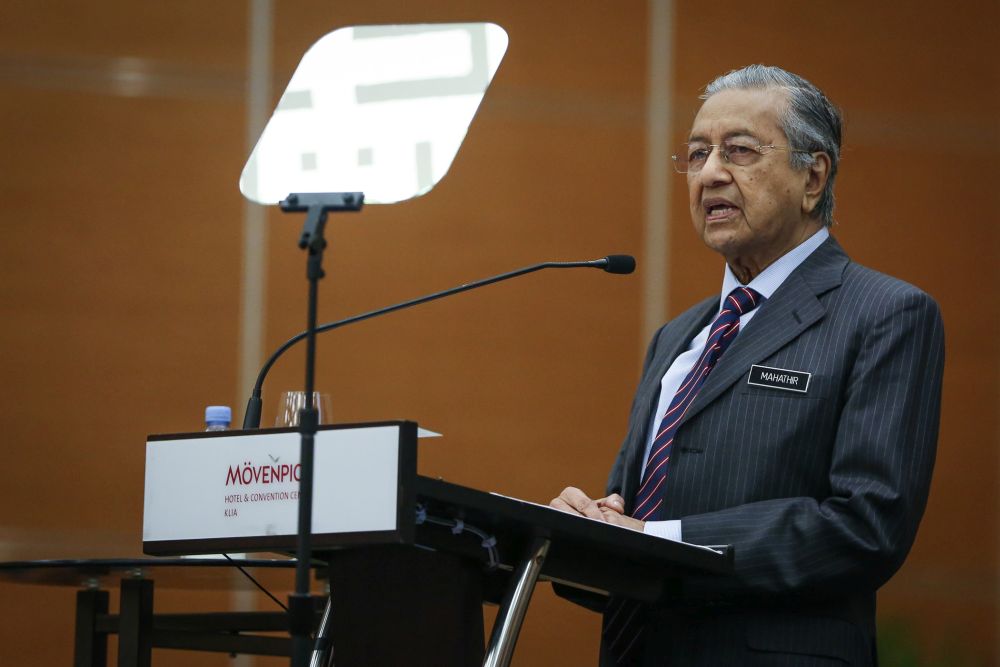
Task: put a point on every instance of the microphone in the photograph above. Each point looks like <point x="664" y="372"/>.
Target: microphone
<point x="616" y="263"/>
<point x="620" y="264"/>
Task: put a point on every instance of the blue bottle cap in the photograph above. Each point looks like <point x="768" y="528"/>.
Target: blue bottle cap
<point x="215" y="414"/>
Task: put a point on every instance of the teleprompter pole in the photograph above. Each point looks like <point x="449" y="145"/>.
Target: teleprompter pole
<point x="316" y="206"/>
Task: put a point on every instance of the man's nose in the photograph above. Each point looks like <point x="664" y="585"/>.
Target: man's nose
<point x="716" y="169"/>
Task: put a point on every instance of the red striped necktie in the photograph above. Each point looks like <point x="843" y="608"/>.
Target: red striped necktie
<point x="624" y="619"/>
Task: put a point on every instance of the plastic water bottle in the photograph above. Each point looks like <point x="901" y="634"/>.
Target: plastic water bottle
<point x="218" y="417"/>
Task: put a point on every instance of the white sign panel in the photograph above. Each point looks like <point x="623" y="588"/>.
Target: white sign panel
<point x="248" y="485"/>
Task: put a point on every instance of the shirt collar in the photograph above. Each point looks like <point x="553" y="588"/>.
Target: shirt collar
<point x="770" y="279"/>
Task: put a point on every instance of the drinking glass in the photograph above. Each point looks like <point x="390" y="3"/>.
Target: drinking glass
<point x="292" y="401"/>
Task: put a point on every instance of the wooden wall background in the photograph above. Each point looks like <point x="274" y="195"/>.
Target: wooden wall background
<point x="123" y="130"/>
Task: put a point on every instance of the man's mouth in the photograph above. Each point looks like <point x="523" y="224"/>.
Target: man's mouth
<point x="719" y="209"/>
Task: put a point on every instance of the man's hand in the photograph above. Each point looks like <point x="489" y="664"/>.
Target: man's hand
<point x="613" y="503"/>
<point x="575" y="501"/>
<point x="611" y="516"/>
<point x="610" y="509"/>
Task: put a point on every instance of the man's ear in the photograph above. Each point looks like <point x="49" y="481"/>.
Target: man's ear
<point x="816" y="179"/>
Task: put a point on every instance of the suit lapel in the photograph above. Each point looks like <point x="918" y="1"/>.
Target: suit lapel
<point x="675" y="339"/>
<point x="792" y="309"/>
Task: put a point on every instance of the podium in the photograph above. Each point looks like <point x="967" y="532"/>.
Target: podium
<point x="411" y="559"/>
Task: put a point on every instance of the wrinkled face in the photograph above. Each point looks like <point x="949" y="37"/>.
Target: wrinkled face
<point x="750" y="214"/>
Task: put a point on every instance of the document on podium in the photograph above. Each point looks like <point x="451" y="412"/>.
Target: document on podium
<point x="587" y="518"/>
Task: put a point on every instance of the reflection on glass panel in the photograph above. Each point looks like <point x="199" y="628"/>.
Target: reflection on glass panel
<point x="377" y="109"/>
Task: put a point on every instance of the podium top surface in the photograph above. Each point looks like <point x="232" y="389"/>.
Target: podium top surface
<point x="229" y="433"/>
<point x="517" y="519"/>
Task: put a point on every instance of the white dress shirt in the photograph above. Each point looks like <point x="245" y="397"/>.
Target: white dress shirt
<point x="766" y="284"/>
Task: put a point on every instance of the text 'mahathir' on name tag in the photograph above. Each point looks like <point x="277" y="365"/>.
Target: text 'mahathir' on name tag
<point x="779" y="378"/>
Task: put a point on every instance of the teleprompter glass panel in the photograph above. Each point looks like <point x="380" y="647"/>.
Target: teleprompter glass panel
<point x="376" y="109"/>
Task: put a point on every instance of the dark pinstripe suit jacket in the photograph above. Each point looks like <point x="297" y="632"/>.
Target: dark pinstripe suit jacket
<point x="819" y="493"/>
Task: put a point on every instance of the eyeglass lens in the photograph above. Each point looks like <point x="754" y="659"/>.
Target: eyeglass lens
<point x="694" y="156"/>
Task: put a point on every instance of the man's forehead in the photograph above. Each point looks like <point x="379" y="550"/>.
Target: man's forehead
<point x="752" y="112"/>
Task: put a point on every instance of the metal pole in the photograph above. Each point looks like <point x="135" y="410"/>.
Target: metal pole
<point x="515" y="605"/>
<point x="323" y="649"/>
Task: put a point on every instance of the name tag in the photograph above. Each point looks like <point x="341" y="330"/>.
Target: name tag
<point x="779" y="378"/>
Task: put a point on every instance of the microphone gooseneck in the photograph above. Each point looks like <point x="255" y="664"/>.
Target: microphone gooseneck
<point x="620" y="264"/>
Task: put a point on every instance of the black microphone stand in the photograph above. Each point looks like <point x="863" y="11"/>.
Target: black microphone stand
<point x="316" y="206"/>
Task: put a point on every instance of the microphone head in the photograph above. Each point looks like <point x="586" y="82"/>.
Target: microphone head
<point x="619" y="264"/>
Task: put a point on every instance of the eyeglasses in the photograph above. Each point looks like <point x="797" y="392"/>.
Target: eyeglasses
<point x="691" y="160"/>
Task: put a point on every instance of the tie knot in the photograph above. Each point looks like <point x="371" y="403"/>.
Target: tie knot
<point x="743" y="300"/>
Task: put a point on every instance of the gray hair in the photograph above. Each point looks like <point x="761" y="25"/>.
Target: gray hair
<point x="811" y="122"/>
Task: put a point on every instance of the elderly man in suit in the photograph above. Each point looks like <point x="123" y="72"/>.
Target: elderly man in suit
<point x="793" y="416"/>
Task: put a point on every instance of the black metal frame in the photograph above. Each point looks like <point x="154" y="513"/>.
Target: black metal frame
<point x="140" y="630"/>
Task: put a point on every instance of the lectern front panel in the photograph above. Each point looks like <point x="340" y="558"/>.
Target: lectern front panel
<point x="208" y="491"/>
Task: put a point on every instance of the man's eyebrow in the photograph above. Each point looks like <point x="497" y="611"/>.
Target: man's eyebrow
<point x="738" y="132"/>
